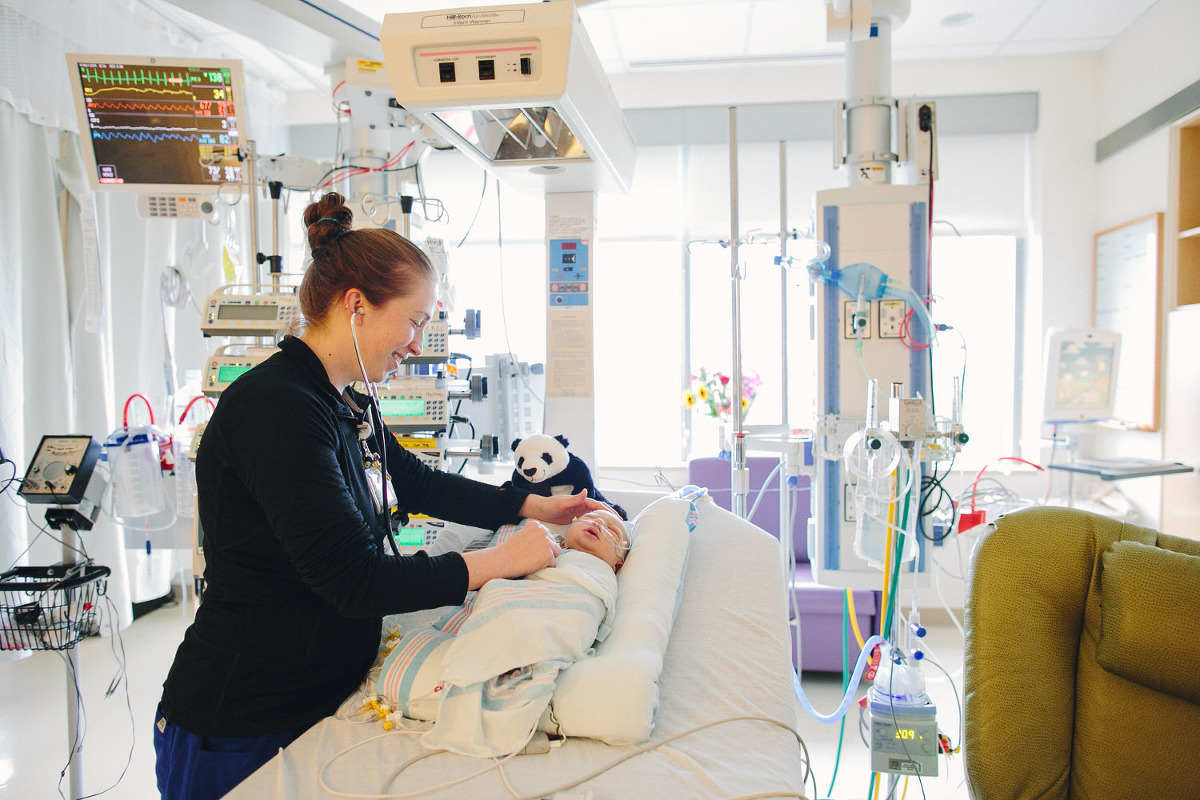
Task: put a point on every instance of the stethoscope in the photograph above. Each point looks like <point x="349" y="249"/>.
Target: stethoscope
<point x="377" y="483"/>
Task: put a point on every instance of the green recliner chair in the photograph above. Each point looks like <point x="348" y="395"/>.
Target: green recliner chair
<point x="1082" y="673"/>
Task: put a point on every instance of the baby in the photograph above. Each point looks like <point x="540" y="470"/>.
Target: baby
<point x="486" y="689"/>
<point x="602" y="534"/>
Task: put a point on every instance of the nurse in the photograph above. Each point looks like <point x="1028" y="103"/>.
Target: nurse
<point x="292" y="505"/>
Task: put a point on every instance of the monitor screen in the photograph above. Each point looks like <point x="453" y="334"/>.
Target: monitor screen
<point x="1081" y="374"/>
<point x="227" y="374"/>
<point x="166" y="125"/>
<point x="240" y="311"/>
<point x="402" y="406"/>
<point x="410" y="537"/>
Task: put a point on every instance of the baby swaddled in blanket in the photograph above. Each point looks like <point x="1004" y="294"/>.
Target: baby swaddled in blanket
<point x="485" y="671"/>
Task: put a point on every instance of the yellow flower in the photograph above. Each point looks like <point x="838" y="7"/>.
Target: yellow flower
<point x="689" y="399"/>
<point x="745" y="403"/>
<point x="703" y="392"/>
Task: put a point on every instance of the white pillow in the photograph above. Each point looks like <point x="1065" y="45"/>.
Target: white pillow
<point x="613" y="696"/>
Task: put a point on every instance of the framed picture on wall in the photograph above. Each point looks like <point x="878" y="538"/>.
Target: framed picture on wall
<point x="1128" y="300"/>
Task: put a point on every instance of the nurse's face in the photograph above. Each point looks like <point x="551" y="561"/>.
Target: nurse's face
<point x="392" y="331"/>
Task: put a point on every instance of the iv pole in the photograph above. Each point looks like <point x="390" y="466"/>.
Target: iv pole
<point x="739" y="474"/>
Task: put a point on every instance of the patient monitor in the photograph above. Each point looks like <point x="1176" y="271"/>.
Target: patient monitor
<point x="173" y="129"/>
<point x="1081" y="374"/>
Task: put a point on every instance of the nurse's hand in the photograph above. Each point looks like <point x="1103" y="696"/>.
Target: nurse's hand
<point x="560" y="509"/>
<point x="531" y="548"/>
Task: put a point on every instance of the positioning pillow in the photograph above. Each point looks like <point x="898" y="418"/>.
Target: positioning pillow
<point x="613" y="696"/>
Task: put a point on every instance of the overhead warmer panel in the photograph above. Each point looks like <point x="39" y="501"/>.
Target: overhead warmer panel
<point x="518" y="89"/>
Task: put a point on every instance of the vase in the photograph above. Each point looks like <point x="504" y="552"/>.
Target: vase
<point x="710" y="436"/>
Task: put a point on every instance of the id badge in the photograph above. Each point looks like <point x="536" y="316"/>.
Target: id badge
<point x="375" y="482"/>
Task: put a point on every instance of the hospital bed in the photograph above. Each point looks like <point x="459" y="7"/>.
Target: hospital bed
<point x="726" y="666"/>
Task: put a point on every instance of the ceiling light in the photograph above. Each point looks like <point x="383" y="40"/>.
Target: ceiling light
<point x="959" y="20"/>
<point x="513" y="88"/>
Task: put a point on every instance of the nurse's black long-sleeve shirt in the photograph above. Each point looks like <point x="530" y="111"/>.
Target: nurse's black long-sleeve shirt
<point x="297" y="571"/>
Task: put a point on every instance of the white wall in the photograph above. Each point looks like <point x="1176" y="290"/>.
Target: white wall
<point x="1154" y="59"/>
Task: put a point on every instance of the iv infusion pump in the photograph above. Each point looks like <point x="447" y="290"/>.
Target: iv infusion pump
<point x="411" y="406"/>
<point x="424" y="448"/>
<point x="227" y="314"/>
<point x="224" y="368"/>
<point x="435" y="344"/>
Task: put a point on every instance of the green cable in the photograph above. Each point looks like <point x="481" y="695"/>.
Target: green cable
<point x="845" y="682"/>
<point x="887" y="629"/>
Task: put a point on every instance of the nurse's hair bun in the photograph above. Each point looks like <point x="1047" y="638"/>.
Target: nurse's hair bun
<point x="327" y="220"/>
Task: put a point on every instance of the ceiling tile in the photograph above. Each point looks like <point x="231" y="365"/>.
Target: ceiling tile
<point x="785" y="27"/>
<point x="1081" y="20"/>
<point x="682" y="31"/>
<point x="994" y="22"/>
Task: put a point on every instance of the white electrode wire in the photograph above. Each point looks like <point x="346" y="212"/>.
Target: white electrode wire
<point x="396" y="773"/>
<point x="655" y="745"/>
<point x="114" y="635"/>
<point x="503" y="306"/>
<point x="497" y="765"/>
<point x="787" y="546"/>
<point x="42" y="530"/>
<point x="80" y="719"/>
<point x="762" y="490"/>
<point x="937" y="585"/>
<point x="954" y="687"/>
<point x="851" y="688"/>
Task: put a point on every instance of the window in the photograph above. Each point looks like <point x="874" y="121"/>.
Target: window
<point x="662" y="287"/>
<point x="975" y="284"/>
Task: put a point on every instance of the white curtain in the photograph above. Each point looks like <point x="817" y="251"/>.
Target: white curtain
<point x="56" y="375"/>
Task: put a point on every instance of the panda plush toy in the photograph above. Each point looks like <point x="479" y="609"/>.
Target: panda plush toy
<point x="545" y="467"/>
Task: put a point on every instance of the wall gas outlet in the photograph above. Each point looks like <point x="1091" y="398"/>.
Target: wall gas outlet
<point x="891" y="318"/>
<point x="857" y="320"/>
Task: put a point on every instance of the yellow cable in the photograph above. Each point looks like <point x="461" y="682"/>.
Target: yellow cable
<point x="854" y="620"/>
<point x="905" y="792"/>
<point x="887" y="562"/>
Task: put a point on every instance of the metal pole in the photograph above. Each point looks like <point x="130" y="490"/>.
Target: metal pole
<point x="276" y="258"/>
<point x="785" y="497"/>
<point x="252" y="182"/>
<point x="739" y="475"/>
<point x="783" y="285"/>
<point x="74" y="746"/>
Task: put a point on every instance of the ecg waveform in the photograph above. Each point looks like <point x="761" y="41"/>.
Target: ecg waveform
<point x="141" y="136"/>
<point x="92" y="90"/>
<point x="122" y="76"/>
<point x="162" y="125"/>
<point x="141" y="106"/>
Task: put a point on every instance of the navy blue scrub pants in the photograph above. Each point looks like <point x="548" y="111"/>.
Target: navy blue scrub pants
<point x="191" y="767"/>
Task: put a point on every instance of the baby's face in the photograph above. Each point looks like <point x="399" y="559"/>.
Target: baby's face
<point x="601" y="533"/>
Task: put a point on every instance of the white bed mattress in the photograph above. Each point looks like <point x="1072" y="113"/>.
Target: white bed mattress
<point x="728" y="656"/>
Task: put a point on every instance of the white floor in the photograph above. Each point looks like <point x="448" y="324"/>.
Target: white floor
<point x="33" y="719"/>
<point x="33" y="713"/>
